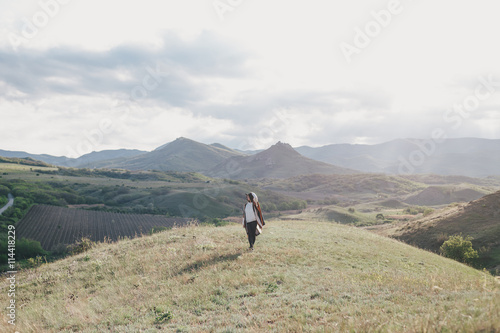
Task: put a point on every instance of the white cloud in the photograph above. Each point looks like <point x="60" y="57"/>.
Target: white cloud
<point x="228" y="80"/>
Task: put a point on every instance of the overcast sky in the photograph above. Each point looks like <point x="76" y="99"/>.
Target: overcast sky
<point x="88" y="75"/>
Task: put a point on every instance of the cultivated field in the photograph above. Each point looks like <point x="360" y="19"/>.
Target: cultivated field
<point x="52" y="225"/>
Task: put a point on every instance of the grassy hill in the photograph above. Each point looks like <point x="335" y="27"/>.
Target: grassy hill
<point x="28" y="161"/>
<point x="345" y="188"/>
<point x="379" y="192"/>
<point x="479" y="219"/>
<point x="335" y="214"/>
<point x="303" y="276"/>
<point x="443" y="195"/>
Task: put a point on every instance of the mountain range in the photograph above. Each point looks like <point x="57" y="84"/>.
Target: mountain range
<point x="80" y="162"/>
<point x="471" y="157"/>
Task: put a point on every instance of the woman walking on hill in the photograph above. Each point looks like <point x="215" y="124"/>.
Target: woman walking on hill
<point x="253" y="221"/>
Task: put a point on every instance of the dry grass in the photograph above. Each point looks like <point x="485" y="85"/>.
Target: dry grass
<point x="303" y="277"/>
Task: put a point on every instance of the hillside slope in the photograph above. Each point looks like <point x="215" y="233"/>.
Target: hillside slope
<point x="278" y="161"/>
<point x="443" y="195"/>
<point x="345" y="188"/>
<point x="303" y="276"/>
<point x="479" y="219"/>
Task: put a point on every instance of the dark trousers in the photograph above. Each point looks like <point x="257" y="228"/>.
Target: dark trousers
<point x="251" y="226"/>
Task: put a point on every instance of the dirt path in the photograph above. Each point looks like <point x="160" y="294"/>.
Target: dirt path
<point x="10" y="203"/>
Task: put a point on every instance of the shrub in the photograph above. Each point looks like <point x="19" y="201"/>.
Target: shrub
<point x="60" y="249"/>
<point x="157" y="229"/>
<point x="162" y="317"/>
<point x="27" y="248"/>
<point x="214" y="221"/>
<point x="83" y="245"/>
<point x="268" y="207"/>
<point x="426" y="211"/>
<point x="4" y="190"/>
<point x="460" y="249"/>
<point x="379" y="216"/>
<point x="35" y="262"/>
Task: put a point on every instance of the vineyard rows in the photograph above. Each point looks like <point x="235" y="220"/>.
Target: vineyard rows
<point x="51" y="225"/>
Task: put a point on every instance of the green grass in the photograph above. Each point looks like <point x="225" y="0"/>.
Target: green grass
<point x="303" y="276"/>
<point x="3" y="200"/>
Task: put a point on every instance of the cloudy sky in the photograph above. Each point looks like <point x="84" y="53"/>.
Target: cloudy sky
<point x="79" y="76"/>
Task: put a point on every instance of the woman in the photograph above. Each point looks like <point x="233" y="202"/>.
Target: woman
<point x="253" y="221"/>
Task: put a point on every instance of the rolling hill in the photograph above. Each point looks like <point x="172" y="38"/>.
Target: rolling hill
<point x="479" y="219"/>
<point x="54" y="160"/>
<point x="360" y="187"/>
<point x="23" y="161"/>
<point x="278" y="161"/>
<point x="443" y="195"/>
<point x="86" y="160"/>
<point x="302" y="276"/>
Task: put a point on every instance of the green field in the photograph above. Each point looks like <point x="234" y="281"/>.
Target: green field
<point x="178" y="194"/>
<point x="303" y="276"/>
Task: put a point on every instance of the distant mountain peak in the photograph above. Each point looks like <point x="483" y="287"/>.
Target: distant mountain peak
<point x="280" y="147"/>
<point x="282" y="144"/>
<point x="179" y="140"/>
<point x="280" y="160"/>
<point x="182" y="139"/>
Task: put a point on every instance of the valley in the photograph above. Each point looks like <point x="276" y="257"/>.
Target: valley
<point x="192" y="181"/>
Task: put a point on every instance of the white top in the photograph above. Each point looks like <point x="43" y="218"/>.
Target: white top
<point x="250" y="215"/>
